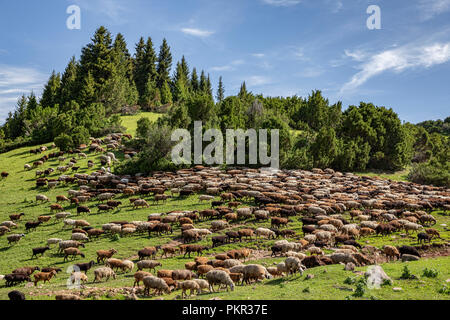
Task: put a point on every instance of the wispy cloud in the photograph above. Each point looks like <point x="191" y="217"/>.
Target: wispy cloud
<point x="229" y="67"/>
<point x="399" y="60"/>
<point x="255" y="81"/>
<point x="282" y="3"/>
<point x="197" y="32"/>
<point x="15" y="81"/>
<point x="113" y="9"/>
<point x="432" y="8"/>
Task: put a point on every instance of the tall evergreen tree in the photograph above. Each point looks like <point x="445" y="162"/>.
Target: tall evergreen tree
<point x="69" y="82"/>
<point x="220" y="91"/>
<point x="195" y="85"/>
<point x="203" y="83"/>
<point x="145" y="75"/>
<point x="51" y="93"/>
<point x="96" y="59"/>
<point x="164" y="64"/>
<point x="243" y="91"/>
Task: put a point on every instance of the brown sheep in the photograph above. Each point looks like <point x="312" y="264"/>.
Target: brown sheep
<point x="102" y="255"/>
<point x="43" y="276"/>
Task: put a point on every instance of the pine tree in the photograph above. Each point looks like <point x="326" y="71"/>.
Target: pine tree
<point x="185" y="69"/>
<point x="203" y="83"/>
<point x="32" y="103"/>
<point x="87" y="93"/>
<point x="145" y="71"/>
<point x="166" y="94"/>
<point x="69" y="86"/>
<point x="195" y="85"/>
<point x="122" y="58"/>
<point x="220" y="91"/>
<point x="51" y="93"/>
<point x="96" y="59"/>
<point x="164" y="64"/>
<point x="243" y="91"/>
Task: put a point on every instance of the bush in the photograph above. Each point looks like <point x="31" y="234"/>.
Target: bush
<point x="64" y="142"/>
<point x="426" y="173"/>
<point x="430" y="273"/>
<point x="406" y="274"/>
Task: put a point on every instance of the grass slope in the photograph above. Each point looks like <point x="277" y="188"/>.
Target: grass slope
<point x="18" y="193"/>
<point x="130" y="122"/>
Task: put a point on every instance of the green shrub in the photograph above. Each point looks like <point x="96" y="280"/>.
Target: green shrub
<point x="430" y="273"/>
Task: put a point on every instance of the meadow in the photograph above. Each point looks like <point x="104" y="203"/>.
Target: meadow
<point x="18" y="193"/>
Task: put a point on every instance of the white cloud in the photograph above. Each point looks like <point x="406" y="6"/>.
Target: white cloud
<point x="259" y="55"/>
<point x="282" y="3"/>
<point x="432" y="8"/>
<point x="113" y="9"/>
<point x="357" y="55"/>
<point x="255" y="81"/>
<point x="229" y="67"/>
<point x="197" y="32"/>
<point x="15" y="81"/>
<point x="399" y="60"/>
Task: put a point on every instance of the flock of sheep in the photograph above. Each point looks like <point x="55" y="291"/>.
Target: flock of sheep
<point x="317" y="198"/>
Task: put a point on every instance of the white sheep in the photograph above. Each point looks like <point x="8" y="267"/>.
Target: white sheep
<point x="264" y="232"/>
<point x="294" y="265"/>
<point x="219" y="277"/>
<point x="79" y="237"/>
<point x="52" y="241"/>
<point x="62" y="215"/>
<point x="104" y="272"/>
<point x="158" y="284"/>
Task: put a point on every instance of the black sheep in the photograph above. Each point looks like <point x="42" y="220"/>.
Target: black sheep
<point x="16" y="296"/>
<point x="308" y="229"/>
<point x="424" y="237"/>
<point x="353" y="243"/>
<point x="84" y="267"/>
<point x="14" y="278"/>
<point x="218" y="240"/>
<point x="276" y="249"/>
<point x="40" y="251"/>
<point x="32" y="225"/>
<point x="408" y="250"/>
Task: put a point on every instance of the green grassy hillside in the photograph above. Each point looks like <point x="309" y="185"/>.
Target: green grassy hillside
<point x="18" y="194"/>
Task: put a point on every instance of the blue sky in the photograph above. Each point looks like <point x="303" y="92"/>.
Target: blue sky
<point x="279" y="47"/>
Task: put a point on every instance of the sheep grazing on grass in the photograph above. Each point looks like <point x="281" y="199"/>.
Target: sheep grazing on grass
<point x="203" y="269"/>
<point x="43" y="276"/>
<point x="408" y="250"/>
<point x="294" y="265"/>
<point x="139" y="276"/>
<point x="164" y="273"/>
<point x="254" y="272"/>
<point x="148" y="264"/>
<point x="78" y="277"/>
<point x="391" y="252"/>
<point x="84" y="267"/>
<point x="26" y="270"/>
<point x="41" y="197"/>
<point x="188" y="285"/>
<point x="183" y="275"/>
<point x="14" y="238"/>
<point x="79" y="237"/>
<point x="14" y="278"/>
<point x="69" y="244"/>
<point x="72" y="252"/>
<point x="344" y="258"/>
<point x="315" y="251"/>
<point x="158" y="284"/>
<point x="104" y="272"/>
<point x="40" y="250"/>
<point x="62" y="215"/>
<point x="264" y="232"/>
<point x="203" y="284"/>
<point x="219" y="277"/>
